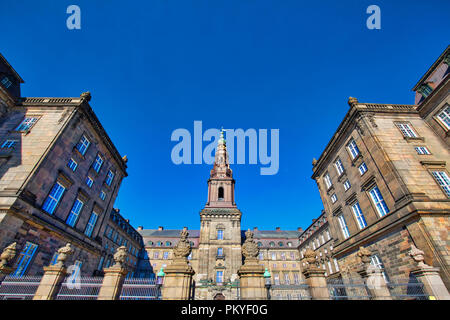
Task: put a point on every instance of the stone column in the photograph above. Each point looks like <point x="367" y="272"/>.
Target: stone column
<point x="251" y="273"/>
<point x="372" y="277"/>
<point x="5" y="261"/>
<point x="53" y="276"/>
<point x="114" y="277"/>
<point x="429" y="276"/>
<point x="178" y="275"/>
<point x="315" y="277"/>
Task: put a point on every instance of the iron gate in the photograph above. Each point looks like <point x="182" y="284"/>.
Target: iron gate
<point x="19" y="288"/>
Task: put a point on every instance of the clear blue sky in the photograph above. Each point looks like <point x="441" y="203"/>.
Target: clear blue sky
<point x="157" y="65"/>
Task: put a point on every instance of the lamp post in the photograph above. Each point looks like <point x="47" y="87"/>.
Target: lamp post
<point x="267" y="282"/>
<point x="160" y="280"/>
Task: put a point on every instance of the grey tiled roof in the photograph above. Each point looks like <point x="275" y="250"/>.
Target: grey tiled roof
<point x="259" y="234"/>
<point x="167" y="233"/>
<point x="281" y="234"/>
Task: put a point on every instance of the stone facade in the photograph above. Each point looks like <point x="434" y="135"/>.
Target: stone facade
<point x="380" y="179"/>
<point x="38" y="186"/>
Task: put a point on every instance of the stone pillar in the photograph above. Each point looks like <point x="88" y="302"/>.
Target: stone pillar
<point x="373" y="277"/>
<point x="53" y="276"/>
<point x="178" y="275"/>
<point x="114" y="277"/>
<point x="251" y="273"/>
<point x="5" y="260"/>
<point x="429" y="276"/>
<point x="315" y="277"/>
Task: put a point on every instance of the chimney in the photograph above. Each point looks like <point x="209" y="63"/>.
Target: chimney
<point x="140" y="228"/>
<point x="255" y="228"/>
<point x="160" y="228"/>
<point x="127" y="220"/>
<point x="277" y="228"/>
<point x="299" y="229"/>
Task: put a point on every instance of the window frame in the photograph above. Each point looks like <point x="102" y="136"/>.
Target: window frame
<point x="90" y="224"/>
<point x="352" y="143"/>
<point x="26" y="256"/>
<point x="408" y="130"/>
<point x="447" y="114"/>
<point x="34" y="120"/>
<point x="57" y="201"/>
<point x="359" y="215"/>
<point x="446" y="187"/>
<point x="343" y="226"/>
<point x="72" y="213"/>
<point x="380" y="201"/>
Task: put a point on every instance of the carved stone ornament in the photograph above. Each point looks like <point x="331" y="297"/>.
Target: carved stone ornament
<point x="120" y="256"/>
<point x="183" y="247"/>
<point x="364" y="254"/>
<point x="352" y="101"/>
<point x="8" y="254"/>
<point x="314" y="162"/>
<point x="250" y="249"/>
<point x="86" y="96"/>
<point x="63" y="253"/>
<point x="418" y="256"/>
<point x="310" y="257"/>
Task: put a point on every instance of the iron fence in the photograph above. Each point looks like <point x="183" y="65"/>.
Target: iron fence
<point x="348" y="289"/>
<point x="407" y="289"/>
<point x="19" y="288"/>
<point x="140" y="289"/>
<point x="85" y="288"/>
<point x="298" y="291"/>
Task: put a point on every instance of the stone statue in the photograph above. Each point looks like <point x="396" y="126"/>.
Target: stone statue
<point x="314" y="162"/>
<point x="63" y="253"/>
<point x="418" y="256"/>
<point x="86" y="96"/>
<point x="250" y="249"/>
<point x="8" y="254"/>
<point x="310" y="257"/>
<point x="183" y="247"/>
<point x="125" y="158"/>
<point x="120" y="256"/>
<point x="352" y="101"/>
<point x="364" y="254"/>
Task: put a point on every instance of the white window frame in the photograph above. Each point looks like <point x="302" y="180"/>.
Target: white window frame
<point x="27" y="124"/>
<point x="91" y="224"/>
<point x="360" y="219"/>
<point x="102" y="195"/>
<point x="353" y="148"/>
<point x="9" y="143"/>
<point x="378" y="201"/>
<point x="98" y="162"/>
<point x="83" y="144"/>
<point x="347" y="185"/>
<point x="422" y="150"/>
<point x="26" y="255"/>
<point x="53" y="198"/>
<point x="407" y="130"/>
<point x="89" y="181"/>
<point x="339" y="167"/>
<point x="110" y="177"/>
<point x="442" y="180"/>
<point x="75" y="212"/>
<point x="334" y="198"/>
<point x="70" y="164"/>
<point x="362" y="168"/>
<point x="344" y="228"/>
<point x="444" y="116"/>
<point x="327" y="180"/>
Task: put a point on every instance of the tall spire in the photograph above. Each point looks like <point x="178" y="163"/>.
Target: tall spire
<point x="221" y="182"/>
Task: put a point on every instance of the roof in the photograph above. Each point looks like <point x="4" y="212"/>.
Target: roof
<point x="276" y="234"/>
<point x="432" y="68"/>
<point x="175" y="233"/>
<point x="2" y="58"/>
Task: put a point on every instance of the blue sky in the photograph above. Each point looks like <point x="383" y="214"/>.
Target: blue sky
<point x="157" y="65"/>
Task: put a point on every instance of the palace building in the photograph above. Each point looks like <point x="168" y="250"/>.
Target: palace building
<point x="384" y="179"/>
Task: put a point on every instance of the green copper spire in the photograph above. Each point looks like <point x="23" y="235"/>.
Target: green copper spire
<point x="222" y="139"/>
<point x="161" y="273"/>
<point x="267" y="273"/>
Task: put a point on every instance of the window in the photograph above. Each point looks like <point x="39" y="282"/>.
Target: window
<point x="72" y="164"/>
<point x="89" y="181"/>
<point x="74" y="212"/>
<point x="261" y="256"/>
<point x="378" y="200"/>
<point x="296" y="278"/>
<point x="165" y="255"/>
<point x="91" y="224"/>
<point x="100" y="263"/>
<point x="289" y="244"/>
<point x="344" y="227"/>
<point x="329" y="266"/>
<point x="443" y="180"/>
<point x="83" y="145"/>
<point x="8" y="144"/>
<point x="220" y="251"/>
<point x="219" y="234"/>
<point x="347" y="185"/>
<point x="283" y="256"/>
<point x="26" y="124"/>
<point x="376" y="261"/>
<point x="109" y="177"/>
<point x="76" y="271"/>
<point x="286" y="278"/>
<point x="407" y="130"/>
<point x="274" y="256"/>
<point x="339" y="167"/>
<point x="280" y="244"/>
<point x="334" y="198"/>
<point x="220" y="196"/>
<point x="444" y="116"/>
<point x="353" y="148"/>
<point x="327" y="180"/>
<point x="156" y="255"/>
<point x="425" y="90"/>
<point x="219" y="276"/>
<point x="328" y="235"/>
<point x="53" y="198"/>
<point x="359" y="216"/>
<point x="276" y="279"/>
<point x="97" y="165"/>
<point x="102" y="195"/>
<point x="159" y="243"/>
<point x="54" y="259"/>
<point x="336" y="265"/>
<point x="24" y="259"/>
<point x="259" y="244"/>
<point x="168" y="243"/>
<point x="422" y="150"/>
<point x="272" y="244"/>
<point x="362" y="168"/>
<point x="292" y="256"/>
<point x="6" y="82"/>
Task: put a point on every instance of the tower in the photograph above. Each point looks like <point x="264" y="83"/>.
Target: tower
<point x="220" y="230"/>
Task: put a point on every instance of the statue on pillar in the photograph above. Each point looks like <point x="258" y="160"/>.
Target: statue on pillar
<point x="250" y="249"/>
<point x="120" y="257"/>
<point x="63" y="254"/>
<point x="183" y="248"/>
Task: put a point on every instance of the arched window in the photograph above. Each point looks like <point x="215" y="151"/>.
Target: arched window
<point x="221" y="193"/>
<point x="168" y="243"/>
<point x="280" y="244"/>
<point x="220" y="252"/>
<point x="159" y="243"/>
<point x="272" y="244"/>
<point x="259" y="244"/>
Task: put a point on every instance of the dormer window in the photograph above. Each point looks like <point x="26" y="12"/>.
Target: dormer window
<point x="6" y="82"/>
<point x="425" y="90"/>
